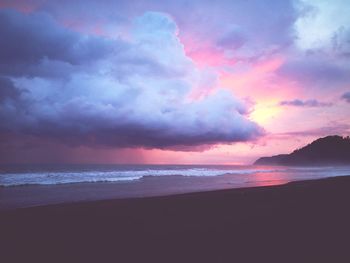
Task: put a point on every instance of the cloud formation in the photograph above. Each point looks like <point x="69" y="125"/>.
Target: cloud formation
<point x="165" y="74"/>
<point x="90" y="90"/>
<point x="346" y="97"/>
<point x="305" y="103"/>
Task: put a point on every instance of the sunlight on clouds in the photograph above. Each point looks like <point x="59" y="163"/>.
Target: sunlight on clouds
<point x="264" y="113"/>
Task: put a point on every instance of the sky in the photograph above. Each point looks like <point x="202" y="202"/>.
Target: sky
<point x="160" y="81"/>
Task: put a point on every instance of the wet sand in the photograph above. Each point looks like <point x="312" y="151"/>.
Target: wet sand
<point x="306" y="221"/>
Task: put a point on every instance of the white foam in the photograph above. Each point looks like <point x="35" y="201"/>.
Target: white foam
<point x="45" y="178"/>
<point x="48" y="178"/>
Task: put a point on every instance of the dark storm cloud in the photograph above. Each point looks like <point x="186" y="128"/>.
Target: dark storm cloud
<point x="26" y="40"/>
<point x="79" y="90"/>
<point x="305" y="103"/>
<point x="82" y="122"/>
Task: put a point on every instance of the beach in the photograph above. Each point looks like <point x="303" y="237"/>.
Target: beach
<point x="170" y="131"/>
<point x="306" y="221"/>
<point x="28" y="186"/>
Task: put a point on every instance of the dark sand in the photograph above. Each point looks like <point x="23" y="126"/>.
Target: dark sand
<point x="305" y="221"/>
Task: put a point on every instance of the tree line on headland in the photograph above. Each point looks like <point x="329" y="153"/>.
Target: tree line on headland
<point x="330" y="150"/>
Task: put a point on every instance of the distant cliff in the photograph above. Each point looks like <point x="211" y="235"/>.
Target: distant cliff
<point x="330" y="150"/>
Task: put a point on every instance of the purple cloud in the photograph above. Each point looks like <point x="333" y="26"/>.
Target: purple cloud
<point x="7" y="90"/>
<point x="346" y="96"/>
<point x="45" y="40"/>
<point x="75" y="89"/>
<point x="316" y="70"/>
<point x="330" y="128"/>
<point x="233" y="38"/>
<point x="197" y="18"/>
<point x="305" y="103"/>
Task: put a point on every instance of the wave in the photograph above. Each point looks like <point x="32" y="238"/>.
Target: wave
<point x="48" y="178"/>
<point x="70" y="177"/>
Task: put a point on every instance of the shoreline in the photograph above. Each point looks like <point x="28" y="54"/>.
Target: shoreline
<point x="12" y="197"/>
<point x="299" y="221"/>
<point x="165" y="195"/>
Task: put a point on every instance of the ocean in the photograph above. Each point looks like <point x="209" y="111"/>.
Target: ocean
<point x="30" y="185"/>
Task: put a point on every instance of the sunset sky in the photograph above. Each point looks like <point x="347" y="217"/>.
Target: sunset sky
<point x="185" y="82"/>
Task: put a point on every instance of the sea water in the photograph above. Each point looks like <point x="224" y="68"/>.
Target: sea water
<point x="24" y="186"/>
<point x="69" y="174"/>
